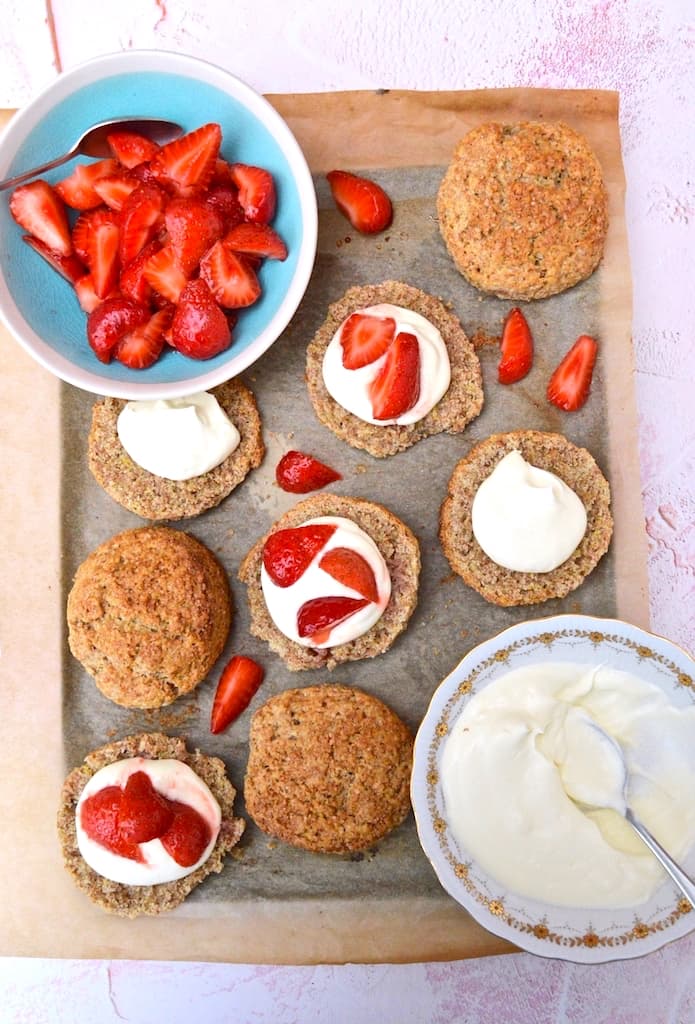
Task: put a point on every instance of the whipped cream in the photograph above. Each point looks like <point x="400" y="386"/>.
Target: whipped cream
<point x="350" y="388"/>
<point x="177" y="438"/>
<point x="283" y="603"/>
<point x="525" y="518"/>
<point x="175" y="781"/>
<point x="534" y="793"/>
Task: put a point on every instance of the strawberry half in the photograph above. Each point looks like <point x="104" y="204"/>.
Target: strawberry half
<point x="352" y="570"/>
<point x="365" y="338"/>
<point x="143" y="813"/>
<point x="86" y="296"/>
<point x="229" y="277"/>
<point x="362" y="201"/>
<point x="40" y="211"/>
<point x="69" y="267"/>
<point x="99" y="815"/>
<point x="287" y="554"/>
<point x="78" y="189"/>
<point x="96" y="237"/>
<point x="298" y="473"/>
<point x="188" y="835"/>
<point x="256" y="240"/>
<point x="256" y="192"/>
<point x="143" y="346"/>
<point x="133" y="283"/>
<point x="517" y="348"/>
<point x="569" y="385"/>
<point x="190" y="160"/>
<point x="396" y="387"/>
<point x="114" y="189"/>
<point x="163" y="273"/>
<point x="193" y="226"/>
<point x="224" y="198"/>
<point x="141" y="218"/>
<point x="316" y="618"/>
<point x="199" y="328"/>
<point x="239" y="681"/>
<point x="130" y="148"/>
<point x="110" y="321"/>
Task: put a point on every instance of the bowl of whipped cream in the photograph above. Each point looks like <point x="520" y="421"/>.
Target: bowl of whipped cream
<point x="515" y="795"/>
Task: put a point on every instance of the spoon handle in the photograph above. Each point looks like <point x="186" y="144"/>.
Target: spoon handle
<point x="35" y="171"/>
<point x="683" y="881"/>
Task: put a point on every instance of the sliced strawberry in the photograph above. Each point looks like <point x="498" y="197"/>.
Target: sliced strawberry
<point x="141" y="218"/>
<point x="256" y="192"/>
<point x="86" y="296"/>
<point x="96" y="237"/>
<point x="41" y="212"/>
<point x="110" y="321"/>
<point x="133" y="283"/>
<point x="99" y="819"/>
<point x="364" y="339"/>
<point x="199" y="328"/>
<point x="238" y="683"/>
<point x="78" y="190"/>
<point x="70" y="267"/>
<point x="316" y="618"/>
<point x="362" y="201"/>
<point x="162" y="272"/>
<point x="143" y="814"/>
<point x="256" y="240"/>
<point x="222" y="174"/>
<point x="396" y="387"/>
<point x="287" y="554"/>
<point x="517" y="348"/>
<point x="130" y="148"/>
<point x="114" y="189"/>
<point x="189" y="160"/>
<point x="298" y="473"/>
<point x="569" y="385"/>
<point x="224" y="198"/>
<point x="193" y="226"/>
<point x="229" y="277"/>
<point x="143" y="173"/>
<point x="352" y="570"/>
<point x="188" y="835"/>
<point x="143" y="346"/>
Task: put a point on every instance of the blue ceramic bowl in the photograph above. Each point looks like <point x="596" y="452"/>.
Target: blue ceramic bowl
<point x="41" y="309"/>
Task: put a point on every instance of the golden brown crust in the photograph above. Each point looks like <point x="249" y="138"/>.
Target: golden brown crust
<point x="155" y="498"/>
<point x="329" y="769"/>
<point x="461" y="403"/>
<point x="148" y="615"/>
<point x="401" y="552"/>
<point x="556" y="454"/>
<point x="523" y="209"/>
<point x="133" y="900"/>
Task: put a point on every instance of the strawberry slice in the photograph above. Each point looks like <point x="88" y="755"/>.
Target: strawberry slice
<point x="96" y="238"/>
<point x="69" y="267"/>
<point x="86" y="296"/>
<point x="517" y="348"/>
<point x="143" y="346"/>
<point x="143" y="814"/>
<point x="193" y="226"/>
<point x="298" y="473"/>
<point x="569" y="385"/>
<point x="229" y="277"/>
<point x="316" y="618"/>
<point x="352" y="570"/>
<point x="40" y="211"/>
<point x="189" y="160"/>
<point x="287" y="554"/>
<point x="110" y="321"/>
<point x="256" y="192"/>
<point x="224" y="198"/>
<point x="141" y="218"/>
<point x="199" y="328"/>
<point x="188" y="835"/>
<point x="99" y="818"/>
<point x="396" y="387"/>
<point x="78" y="189"/>
<point x="163" y="273"/>
<point x="238" y="683"/>
<point x="364" y="339"/>
<point x="362" y="201"/>
<point x="256" y="240"/>
<point x="114" y="189"/>
<point x="130" y="148"/>
<point x="133" y="283"/>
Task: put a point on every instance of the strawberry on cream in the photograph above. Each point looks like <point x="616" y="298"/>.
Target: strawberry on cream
<point x="171" y="779"/>
<point x="351" y="387"/>
<point x="177" y="438"/>
<point x="285" y="603"/>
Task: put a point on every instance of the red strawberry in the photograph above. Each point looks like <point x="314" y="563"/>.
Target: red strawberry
<point x="133" y="283"/>
<point x="96" y="237"/>
<point x="239" y="681"/>
<point x="114" y="189"/>
<point x="143" y="814"/>
<point x="143" y="346"/>
<point x="229" y="277"/>
<point x="70" y="267"/>
<point x="569" y="385"/>
<point x="141" y="218"/>
<point x="188" y="835"/>
<point x="517" y="348"/>
<point x="396" y="387"/>
<point x="299" y="473"/>
<point x="162" y="272"/>
<point x="193" y="226"/>
<point x="316" y="618"/>
<point x="199" y="329"/>
<point x="352" y="570"/>
<point x="222" y="175"/>
<point x="363" y="202"/>
<point x="99" y="819"/>
<point x="225" y="199"/>
<point x="110" y="321"/>
<point x="256" y="240"/>
<point x="86" y="296"/>
<point x="365" y="338"/>
<point x="41" y="212"/>
<point x="256" y="192"/>
<point x="78" y="189"/>
<point x="130" y="148"/>
<point x="190" y="160"/>
<point x="287" y="554"/>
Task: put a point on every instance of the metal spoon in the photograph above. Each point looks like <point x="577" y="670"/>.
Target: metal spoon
<point x="93" y="143"/>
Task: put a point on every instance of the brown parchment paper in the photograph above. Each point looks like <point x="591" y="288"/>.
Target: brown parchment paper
<point x="273" y="904"/>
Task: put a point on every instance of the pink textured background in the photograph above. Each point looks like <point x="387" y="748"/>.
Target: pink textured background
<point x="646" y="50"/>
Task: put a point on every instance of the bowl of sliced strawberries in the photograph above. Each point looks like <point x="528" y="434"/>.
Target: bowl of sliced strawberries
<point x="156" y="270"/>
